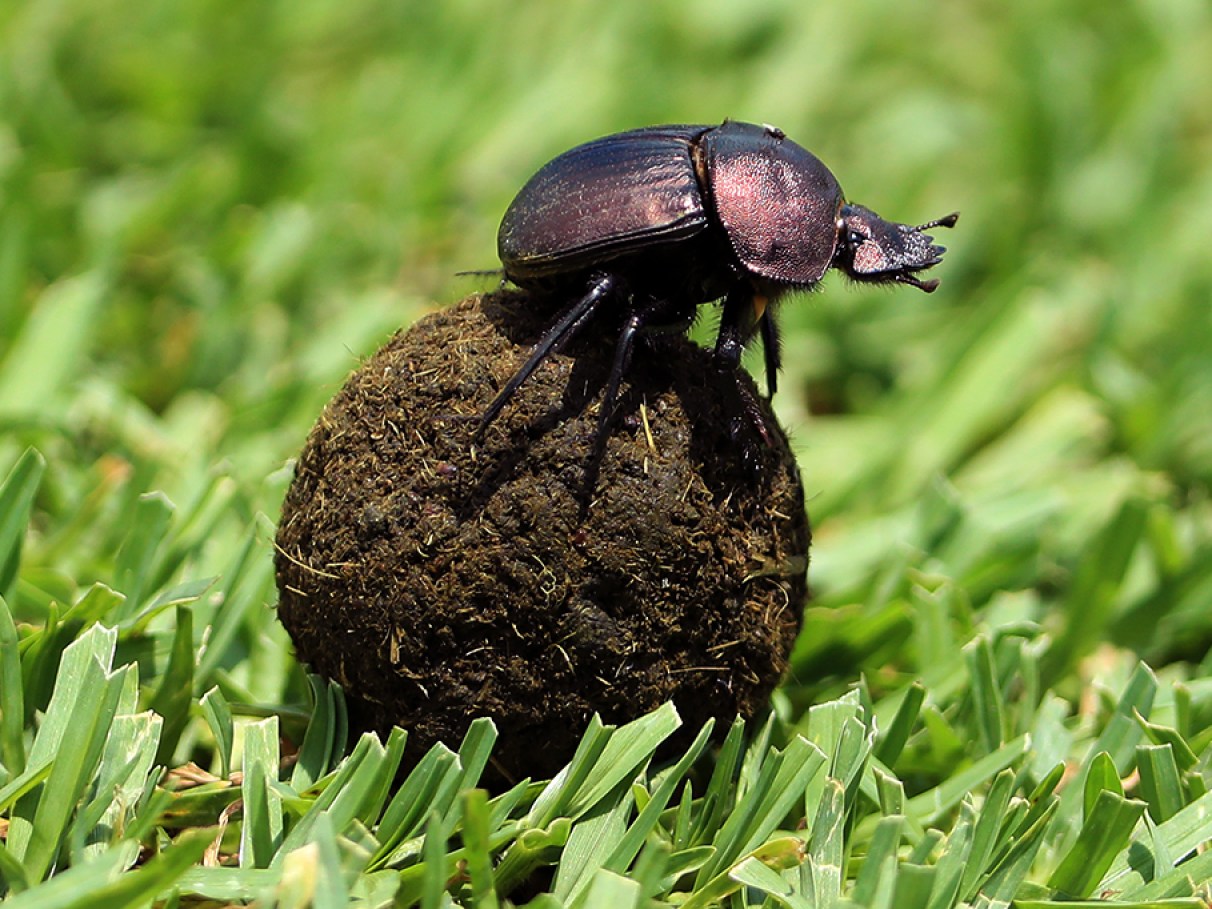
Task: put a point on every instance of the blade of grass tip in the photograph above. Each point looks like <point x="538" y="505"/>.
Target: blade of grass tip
<point x="1182" y="834"/>
<point x="76" y="887"/>
<point x="12" y="695"/>
<point x="987" y="832"/>
<point x="719" y="796"/>
<point x="631" y="843"/>
<point x="780" y="855"/>
<point x="74" y="767"/>
<point x="384" y="777"/>
<point x="476" y="749"/>
<point x="415" y="800"/>
<point x="1160" y="780"/>
<point x="218" y="716"/>
<point x="755" y="757"/>
<point x="827" y="847"/>
<point x="552" y="800"/>
<point x="1005" y="879"/>
<point x="850" y="757"/>
<point x="891" y="793"/>
<point x="628" y="748"/>
<point x="935" y="802"/>
<point x="608" y="890"/>
<point x="951" y="864"/>
<point x="594" y="837"/>
<point x="987" y="702"/>
<point x="682" y="817"/>
<point x="127" y="763"/>
<point x="914" y="884"/>
<point x="827" y="721"/>
<point x="649" y="869"/>
<point x="312" y="876"/>
<point x="1101" y="777"/>
<point x="780" y="787"/>
<point x="433" y="854"/>
<point x="319" y="743"/>
<point x="1182" y="711"/>
<point x="338" y="788"/>
<point x="1039" y="801"/>
<point x="174" y="696"/>
<point x="1120" y="736"/>
<point x="16" y="498"/>
<point x="261" y="830"/>
<point x="1105" y="833"/>
<point x="477" y="851"/>
<point x="876" y="879"/>
<point x="760" y="877"/>
<point x="83" y="661"/>
<point x="1183" y="881"/>
<point x="503" y="805"/>
<point x="889" y="746"/>
<point x="365" y="787"/>
<point x="1184" y="756"/>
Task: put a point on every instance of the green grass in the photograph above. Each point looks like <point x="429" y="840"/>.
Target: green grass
<point x="209" y="211"/>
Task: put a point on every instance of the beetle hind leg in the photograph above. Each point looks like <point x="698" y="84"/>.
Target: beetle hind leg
<point x="560" y="333"/>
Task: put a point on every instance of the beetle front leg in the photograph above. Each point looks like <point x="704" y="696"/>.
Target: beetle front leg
<point x="729" y="345"/>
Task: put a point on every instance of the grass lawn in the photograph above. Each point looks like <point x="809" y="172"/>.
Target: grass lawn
<point x="211" y="211"/>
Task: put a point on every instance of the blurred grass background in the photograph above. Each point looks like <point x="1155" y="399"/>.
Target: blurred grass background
<point x="210" y="210"/>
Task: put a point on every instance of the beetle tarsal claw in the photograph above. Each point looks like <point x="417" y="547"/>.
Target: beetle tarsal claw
<point x="929" y="286"/>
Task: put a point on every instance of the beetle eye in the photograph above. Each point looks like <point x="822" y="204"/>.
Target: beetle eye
<point x="854" y="238"/>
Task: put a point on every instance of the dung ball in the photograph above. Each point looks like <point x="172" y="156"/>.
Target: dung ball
<point x="439" y="577"/>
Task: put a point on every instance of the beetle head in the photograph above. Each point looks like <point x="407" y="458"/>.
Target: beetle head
<point x="873" y="250"/>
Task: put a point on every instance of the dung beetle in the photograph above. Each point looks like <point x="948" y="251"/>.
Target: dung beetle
<point x="657" y="221"/>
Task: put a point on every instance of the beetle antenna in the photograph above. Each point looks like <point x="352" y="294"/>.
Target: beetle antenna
<point x="945" y="221"/>
<point x="480" y="272"/>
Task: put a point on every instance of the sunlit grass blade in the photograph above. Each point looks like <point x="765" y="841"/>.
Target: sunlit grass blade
<point x="218" y="716"/>
<point x="608" y="890"/>
<point x="1109" y="825"/>
<point x="889" y="745"/>
<point x="780" y="787"/>
<point x="876" y="881"/>
<point x="173" y="697"/>
<point x="1160" y="781"/>
<point x="476" y="827"/>
<point x="12" y="696"/>
<point x="1134" y="867"/>
<point x="261" y="830"/>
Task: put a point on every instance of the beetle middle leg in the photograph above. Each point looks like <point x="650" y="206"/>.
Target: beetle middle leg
<point x="772" y="351"/>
